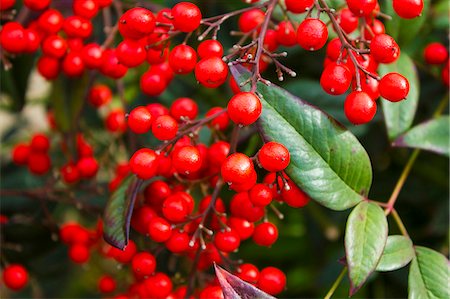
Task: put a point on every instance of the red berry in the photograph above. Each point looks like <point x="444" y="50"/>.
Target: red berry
<point x="384" y="49"/>
<point x="182" y="59"/>
<point x="92" y="55"/>
<point x="157" y="56"/>
<point x="394" y="87"/>
<point x="186" y="16"/>
<point x="143" y="264"/>
<point x="165" y="127"/>
<point x="362" y="8"/>
<point x="40" y="143"/>
<point x="435" y="53"/>
<point x="6" y="4"/>
<point x="347" y="20"/>
<point x="79" y="253"/>
<point x="12" y="38"/>
<point x="286" y="34"/>
<point x="274" y="156"/>
<point x="158" y="285"/>
<point x="221" y="121"/>
<point x="265" y="234"/>
<point x="370" y="86"/>
<point x="186" y="159"/>
<point x="131" y="53"/>
<point x="153" y="83"/>
<point x="157" y="191"/>
<point x="241" y="206"/>
<point x="377" y="27"/>
<point x="141" y="218"/>
<point x="115" y="121"/>
<point x="248" y="272"/>
<point x="244" y="108"/>
<point x="312" y="34"/>
<point x="227" y="241"/>
<point x="73" y="65"/>
<point x="125" y="256"/>
<point x="54" y="46"/>
<point x="293" y="195"/>
<point x="33" y="40"/>
<point x="140" y="120"/>
<point x="75" y="26"/>
<point x="110" y="65"/>
<point x="211" y="72"/>
<point x="242" y="226"/>
<point x="359" y="107"/>
<point x="335" y="79"/>
<point x="183" y="109"/>
<point x="178" y="242"/>
<point x="136" y="23"/>
<point x="48" y="67"/>
<point x="408" y="9"/>
<point x="210" y="47"/>
<point x="212" y="292"/>
<point x="175" y="209"/>
<point x="237" y="168"/>
<point x="270" y="43"/>
<point x="272" y="280"/>
<point x="106" y="284"/>
<point x="39" y="163"/>
<point x="251" y="20"/>
<point x="20" y="154"/>
<point x="298" y="6"/>
<point x="217" y="153"/>
<point x="159" y="229"/>
<point x="85" y="8"/>
<point x="88" y="167"/>
<point x="260" y="195"/>
<point x="70" y="173"/>
<point x="99" y="95"/>
<point x="51" y="21"/>
<point x="144" y="163"/>
<point x="15" y="277"/>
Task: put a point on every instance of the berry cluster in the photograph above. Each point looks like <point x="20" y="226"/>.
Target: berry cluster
<point x="437" y="54"/>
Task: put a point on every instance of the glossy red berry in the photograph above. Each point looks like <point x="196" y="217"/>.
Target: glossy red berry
<point x="15" y="277"/>
<point x="237" y="168"/>
<point x="158" y="285"/>
<point x="286" y="34"/>
<point x="265" y="234"/>
<point x="182" y="59"/>
<point x="143" y="264"/>
<point x="377" y="27"/>
<point x="157" y="56"/>
<point x="136" y="23"/>
<point x="48" y="67"/>
<point x="227" y="240"/>
<point x="40" y="143"/>
<point x="312" y="34"/>
<point x="273" y="156"/>
<point x="293" y="195"/>
<point x="178" y="242"/>
<point x="272" y="280"/>
<point x="210" y="47"/>
<point x="298" y="6"/>
<point x="75" y="26"/>
<point x="186" y="16"/>
<point x="384" y="49"/>
<point x="408" y="9"/>
<point x="51" y="21"/>
<point x="12" y="38"/>
<point x="115" y="121"/>
<point x="111" y="66"/>
<point x="20" y="154"/>
<point x="336" y="79"/>
<point x="174" y="208"/>
<point x="221" y="121"/>
<point x="87" y="167"/>
<point x="244" y="108"/>
<point x="85" y="8"/>
<point x="211" y="72"/>
<point x="99" y="95"/>
<point x="359" y="107"/>
<point x="70" y="173"/>
<point x="125" y="256"/>
<point x="131" y="53"/>
<point x="157" y="191"/>
<point x="39" y="163"/>
<point x="347" y="20"/>
<point x="186" y="159"/>
<point x="212" y="292"/>
<point x="140" y="120"/>
<point x="6" y="4"/>
<point x="241" y="206"/>
<point x="165" y="127"/>
<point x="217" y="153"/>
<point x="242" y="226"/>
<point x="106" y="284"/>
<point x="183" y="109"/>
<point x="153" y="82"/>
<point x="270" y="44"/>
<point x="54" y="46"/>
<point x="33" y="40"/>
<point x="248" y="272"/>
<point x="144" y="163"/>
<point x="362" y="8"/>
<point x="394" y="87"/>
<point x="260" y="195"/>
<point x="159" y="229"/>
<point x="79" y="253"/>
<point x="73" y="65"/>
<point x="435" y="53"/>
<point x="250" y="20"/>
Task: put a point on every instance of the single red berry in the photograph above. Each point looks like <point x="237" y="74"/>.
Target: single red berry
<point x="260" y="195"/>
<point x="286" y="34"/>
<point x="336" y="79"/>
<point x="48" y="67"/>
<point x="157" y="56"/>
<point x="136" y="23"/>
<point x="131" y="53"/>
<point x="186" y="159"/>
<point x="75" y="26"/>
<point x="384" y="49"/>
<point x="270" y="44"/>
<point x="54" y="46"/>
<point x="140" y="120"/>
<point x="377" y="27"/>
<point x="125" y="256"/>
<point x="92" y="55"/>
<point x="174" y="208"/>
<point x="6" y="4"/>
<point x="20" y="154"/>
<point x="106" y="284"/>
<point x="242" y="226"/>
<point x="85" y="8"/>
<point x="212" y="292"/>
<point x="178" y="242"/>
<point x="265" y="234"/>
<point x="87" y="167"/>
<point x="99" y="95"/>
<point x="116" y="122"/>
<point x="408" y="9"/>
<point x="12" y="38"/>
<point x="70" y="173"/>
<point x="272" y="280"/>
<point x="359" y="107"/>
<point x="111" y="66"/>
<point x="248" y="272"/>
<point x="73" y="65"/>
<point x="211" y="72"/>
<point x="153" y="82"/>
<point x="250" y="20"/>
<point x="79" y="253"/>
<point x="274" y="156"/>
<point x="435" y="53"/>
<point x="183" y="109"/>
<point x="221" y="121"/>
<point x="186" y="16"/>
<point x="143" y="264"/>
<point x="157" y="191"/>
<point x="312" y="34"/>
<point x="237" y="168"/>
<point x="15" y="277"/>
<point x="33" y="40"/>
<point x="141" y="218"/>
<point x="369" y="85"/>
<point x="182" y="59"/>
<point x="165" y="70"/>
<point x="40" y="143"/>
<point x="227" y="240"/>
<point x="159" y="229"/>
<point x="210" y="47"/>
<point x="75" y="44"/>
<point x="245" y="186"/>
<point x="293" y="195"/>
<point x="51" y="21"/>
<point x="158" y="285"/>
<point x="298" y="6"/>
<point x="39" y="163"/>
<point x="244" y="108"/>
<point x="394" y="87"/>
<point x="347" y="20"/>
<point x="144" y="163"/>
<point x="217" y="153"/>
<point x="362" y="8"/>
<point x="104" y="3"/>
<point x="165" y="127"/>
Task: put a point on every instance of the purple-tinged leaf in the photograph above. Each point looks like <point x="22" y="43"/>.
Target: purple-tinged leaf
<point x="235" y="288"/>
<point x="118" y="211"/>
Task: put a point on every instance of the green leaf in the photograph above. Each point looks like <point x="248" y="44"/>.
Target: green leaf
<point x="399" y="116"/>
<point x="365" y="237"/>
<point x="397" y="253"/>
<point x="432" y="135"/>
<point x="428" y="275"/>
<point x="118" y="212"/>
<point x="327" y="161"/>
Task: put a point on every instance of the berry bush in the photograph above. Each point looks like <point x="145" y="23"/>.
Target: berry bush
<point x="224" y="149"/>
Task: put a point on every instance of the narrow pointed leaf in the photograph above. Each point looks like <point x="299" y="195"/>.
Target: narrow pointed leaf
<point x="235" y="288"/>
<point x="327" y="161"/>
<point x="365" y="238"/>
<point x="398" y="253"/>
<point x="432" y="136"/>
<point x="118" y="210"/>
<point x="399" y="116"/>
<point x="428" y="275"/>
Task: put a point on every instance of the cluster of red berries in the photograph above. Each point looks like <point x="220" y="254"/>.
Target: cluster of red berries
<point x="437" y="54"/>
<point x="34" y="155"/>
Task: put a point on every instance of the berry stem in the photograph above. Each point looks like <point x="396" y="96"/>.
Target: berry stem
<point x="399" y="222"/>
<point x="336" y="284"/>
